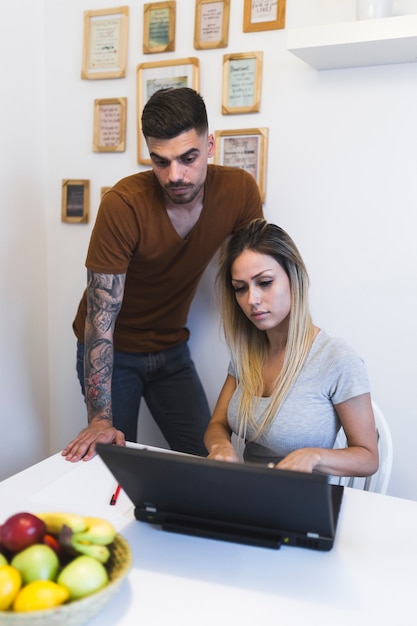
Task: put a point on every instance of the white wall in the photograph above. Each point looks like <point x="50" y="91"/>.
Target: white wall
<point x="341" y="172"/>
<point x="24" y="380"/>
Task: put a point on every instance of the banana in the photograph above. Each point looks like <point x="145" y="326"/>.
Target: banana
<point x="98" y="531"/>
<point x="87" y="535"/>
<point x="55" y="521"/>
<point x="99" y="552"/>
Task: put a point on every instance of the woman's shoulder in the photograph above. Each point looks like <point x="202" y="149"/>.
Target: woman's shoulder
<point x="340" y="370"/>
<point x="328" y="348"/>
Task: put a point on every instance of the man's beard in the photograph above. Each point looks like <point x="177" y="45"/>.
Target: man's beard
<point x="185" y="198"/>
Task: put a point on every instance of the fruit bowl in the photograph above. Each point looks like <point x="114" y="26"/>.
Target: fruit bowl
<point x="79" y="612"/>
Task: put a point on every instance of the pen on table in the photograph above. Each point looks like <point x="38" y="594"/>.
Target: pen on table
<point x="115" y="495"/>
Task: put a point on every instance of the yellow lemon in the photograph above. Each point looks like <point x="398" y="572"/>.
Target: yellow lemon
<point x="39" y="595"/>
<point x="10" y="583"/>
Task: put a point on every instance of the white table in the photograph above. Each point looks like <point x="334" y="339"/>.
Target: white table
<point x="370" y="576"/>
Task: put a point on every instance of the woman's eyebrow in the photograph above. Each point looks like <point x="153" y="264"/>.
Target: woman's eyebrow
<point x="239" y="280"/>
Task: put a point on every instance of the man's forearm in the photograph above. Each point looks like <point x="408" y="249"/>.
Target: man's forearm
<point x="104" y="298"/>
<point x="98" y="370"/>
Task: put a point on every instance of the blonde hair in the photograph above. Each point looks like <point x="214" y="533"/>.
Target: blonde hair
<point x="248" y="344"/>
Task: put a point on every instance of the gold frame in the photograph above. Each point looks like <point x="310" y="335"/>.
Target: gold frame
<point x="114" y="128"/>
<point x="104" y="190"/>
<point x="263" y="23"/>
<point x="223" y="38"/>
<point x="148" y="46"/>
<point x="159" y="75"/>
<point x="250" y="102"/>
<point x="81" y="210"/>
<point x="97" y="61"/>
<point x="242" y="160"/>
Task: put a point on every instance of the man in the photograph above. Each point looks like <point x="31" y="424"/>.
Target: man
<point x="155" y="233"/>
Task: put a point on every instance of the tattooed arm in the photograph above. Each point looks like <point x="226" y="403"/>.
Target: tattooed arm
<point x="104" y="299"/>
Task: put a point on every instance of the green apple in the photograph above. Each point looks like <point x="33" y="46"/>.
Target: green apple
<point x="83" y="576"/>
<point x="38" y="562"/>
<point x="3" y="560"/>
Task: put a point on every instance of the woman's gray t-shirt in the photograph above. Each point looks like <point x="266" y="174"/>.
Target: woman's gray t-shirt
<point x="332" y="373"/>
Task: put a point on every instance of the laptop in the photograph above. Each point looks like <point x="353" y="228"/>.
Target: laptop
<point x="238" y="502"/>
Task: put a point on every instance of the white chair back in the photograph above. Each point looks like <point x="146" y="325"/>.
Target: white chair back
<point x="378" y="482"/>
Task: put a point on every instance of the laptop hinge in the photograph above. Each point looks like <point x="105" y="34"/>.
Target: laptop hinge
<point x="210" y="529"/>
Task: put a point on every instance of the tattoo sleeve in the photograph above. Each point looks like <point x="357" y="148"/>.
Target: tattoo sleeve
<point x="104" y="299"/>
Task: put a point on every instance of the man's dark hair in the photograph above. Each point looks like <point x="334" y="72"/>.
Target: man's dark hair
<point x="170" y="112"/>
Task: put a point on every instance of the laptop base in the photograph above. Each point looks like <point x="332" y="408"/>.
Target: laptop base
<point x="211" y="529"/>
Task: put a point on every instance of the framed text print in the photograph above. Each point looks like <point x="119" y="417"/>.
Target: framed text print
<point x="109" y="125"/>
<point x="211" y="28"/>
<point x="75" y="201"/>
<point x="159" y="27"/>
<point x="245" y="148"/>
<point x="263" y="15"/>
<point x="105" y="43"/>
<point x="242" y="77"/>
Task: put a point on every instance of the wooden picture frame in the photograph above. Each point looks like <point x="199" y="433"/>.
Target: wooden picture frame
<point x="75" y="201"/>
<point x="259" y="15"/>
<point x="245" y="148"/>
<point x="104" y="190"/>
<point x="109" y="125"/>
<point x="242" y="78"/>
<point x="211" y="26"/>
<point x="161" y="75"/>
<point x="159" y="27"/>
<point x="105" y="43"/>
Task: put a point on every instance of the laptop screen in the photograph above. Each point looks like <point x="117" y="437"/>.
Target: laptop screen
<point x="246" y="503"/>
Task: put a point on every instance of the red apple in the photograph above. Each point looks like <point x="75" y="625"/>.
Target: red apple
<point x="22" y="530"/>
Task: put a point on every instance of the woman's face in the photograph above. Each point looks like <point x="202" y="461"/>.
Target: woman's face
<point x="262" y="289"/>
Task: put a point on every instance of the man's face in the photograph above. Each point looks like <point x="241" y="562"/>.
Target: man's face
<point x="180" y="165"/>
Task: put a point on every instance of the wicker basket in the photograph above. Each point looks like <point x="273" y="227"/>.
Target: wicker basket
<point x="79" y="612"/>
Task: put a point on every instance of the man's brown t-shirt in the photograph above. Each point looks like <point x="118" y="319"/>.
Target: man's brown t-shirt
<point x="133" y="234"/>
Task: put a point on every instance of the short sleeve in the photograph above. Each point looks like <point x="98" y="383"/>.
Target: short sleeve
<point x="231" y="370"/>
<point x="345" y="372"/>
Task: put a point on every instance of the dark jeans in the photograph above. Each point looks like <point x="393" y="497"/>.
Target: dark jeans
<point x="169" y="382"/>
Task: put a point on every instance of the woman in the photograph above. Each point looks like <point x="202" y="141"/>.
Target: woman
<point x="290" y="386"/>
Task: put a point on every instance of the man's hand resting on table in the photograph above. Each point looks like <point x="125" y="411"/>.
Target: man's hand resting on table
<point x="98" y="431"/>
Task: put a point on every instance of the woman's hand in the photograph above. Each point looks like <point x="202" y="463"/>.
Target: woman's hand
<point x="223" y="452"/>
<point x="302" y="460"/>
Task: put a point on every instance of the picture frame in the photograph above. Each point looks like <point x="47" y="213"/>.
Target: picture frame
<point x="156" y="75"/>
<point x="105" y="43"/>
<point x="109" y="125"/>
<point x="260" y="15"/>
<point x="75" y="201"/>
<point x="242" y="78"/>
<point x="104" y="190"/>
<point x="159" y="27"/>
<point x="245" y="148"/>
<point x="211" y="26"/>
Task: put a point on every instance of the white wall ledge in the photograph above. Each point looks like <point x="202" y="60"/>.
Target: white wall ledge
<point x="354" y="44"/>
